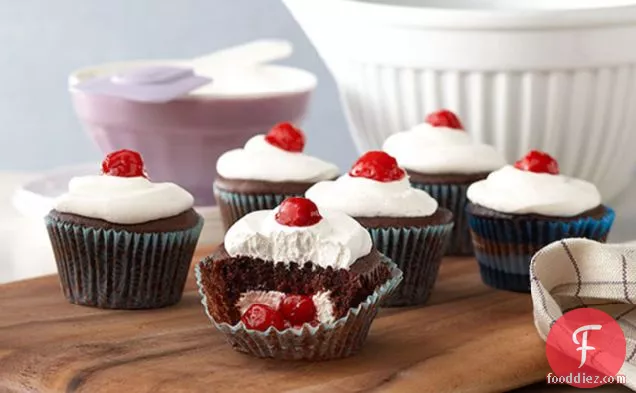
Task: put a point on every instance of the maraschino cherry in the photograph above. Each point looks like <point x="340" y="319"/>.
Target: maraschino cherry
<point x="297" y="212"/>
<point x="287" y="137"/>
<point x="293" y="311"/>
<point x="123" y="163"/>
<point x="261" y="317"/>
<point x="538" y="162"/>
<point x="298" y="309"/>
<point x="377" y="165"/>
<point x="444" y="118"/>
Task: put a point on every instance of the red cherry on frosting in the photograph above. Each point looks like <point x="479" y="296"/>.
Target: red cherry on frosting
<point x="298" y="212"/>
<point x="123" y="163"/>
<point x="261" y="317"/>
<point x="286" y="137"/>
<point x="377" y="165"/>
<point x="444" y="118"/>
<point x="298" y="309"/>
<point x="538" y="162"/>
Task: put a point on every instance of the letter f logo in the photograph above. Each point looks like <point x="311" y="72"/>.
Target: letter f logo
<point x="584" y="347"/>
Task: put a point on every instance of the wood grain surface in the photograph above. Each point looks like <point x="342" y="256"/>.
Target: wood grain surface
<point x="469" y="338"/>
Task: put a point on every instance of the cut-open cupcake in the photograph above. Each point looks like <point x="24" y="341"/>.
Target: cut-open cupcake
<point x="296" y="283"/>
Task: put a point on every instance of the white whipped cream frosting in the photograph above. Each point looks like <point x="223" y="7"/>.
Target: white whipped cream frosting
<point x="441" y="150"/>
<point x="322" y="302"/>
<point x="511" y="190"/>
<point x="337" y="240"/>
<point x="123" y="200"/>
<point x="362" y="197"/>
<point x="259" y="160"/>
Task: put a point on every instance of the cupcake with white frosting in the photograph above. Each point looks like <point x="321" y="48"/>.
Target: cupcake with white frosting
<point x="295" y="282"/>
<point x="406" y="223"/>
<point x="121" y="241"/>
<point x="520" y="209"/>
<point x="441" y="158"/>
<point x="268" y="169"/>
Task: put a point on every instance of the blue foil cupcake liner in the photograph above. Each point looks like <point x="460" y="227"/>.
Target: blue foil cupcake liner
<point x="453" y="198"/>
<point x="234" y="205"/>
<point x="341" y="338"/>
<point x="116" y="269"/>
<point x="418" y="252"/>
<point x="504" y="247"/>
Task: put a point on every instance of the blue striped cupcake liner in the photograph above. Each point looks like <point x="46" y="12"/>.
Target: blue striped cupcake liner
<point x="504" y="247"/>
<point x="234" y="205"/>
<point x="453" y="198"/>
<point x="341" y="338"/>
<point x="418" y="252"/>
<point x="116" y="269"/>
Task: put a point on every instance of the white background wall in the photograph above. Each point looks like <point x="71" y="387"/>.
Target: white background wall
<point x="41" y="41"/>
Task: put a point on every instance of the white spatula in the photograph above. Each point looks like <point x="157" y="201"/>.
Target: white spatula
<point x="246" y="55"/>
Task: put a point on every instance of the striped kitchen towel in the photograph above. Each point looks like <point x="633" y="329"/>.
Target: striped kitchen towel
<point x="576" y="273"/>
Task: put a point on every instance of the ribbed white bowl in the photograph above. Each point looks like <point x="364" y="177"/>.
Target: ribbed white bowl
<point x="559" y="80"/>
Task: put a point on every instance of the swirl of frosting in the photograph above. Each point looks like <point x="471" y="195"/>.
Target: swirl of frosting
<point x="441" y="150"/>
<point x="362" y="197"/>
<point x="511" y="190"/>
<point x="123" y="200"/>
<point x="337" y="240"/>
<point x="259" y="160"/>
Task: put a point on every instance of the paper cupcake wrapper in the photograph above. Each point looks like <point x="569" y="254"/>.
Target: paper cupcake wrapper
<point x="418" y="252"/>
<point x="326" y="341"/>
<point x="505" y="247"/>
<point x="234" y="205"/>
<point x="116" y="269"/>
<point x="453" y="198"/>
<point x="500" y="280"/>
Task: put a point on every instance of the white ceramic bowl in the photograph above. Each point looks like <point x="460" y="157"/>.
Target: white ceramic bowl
<point x="554" y="75"/>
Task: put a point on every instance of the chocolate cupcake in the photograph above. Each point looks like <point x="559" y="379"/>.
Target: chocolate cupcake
<point x="405" y="223"/>
<point x="121" y="241"/>
<point x="520" y="209"/>
<point x="267" y="170"/>
<point x="295" y="283"/>
<point x="441" y="159"/>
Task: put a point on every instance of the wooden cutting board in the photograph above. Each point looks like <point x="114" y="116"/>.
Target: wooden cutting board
<point x="469" y="338"/>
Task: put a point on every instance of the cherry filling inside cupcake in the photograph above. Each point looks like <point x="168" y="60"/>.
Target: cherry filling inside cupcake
<point x="262" y="309"/>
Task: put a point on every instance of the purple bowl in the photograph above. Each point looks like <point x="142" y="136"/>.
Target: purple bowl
<point x="181" y="140"/>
